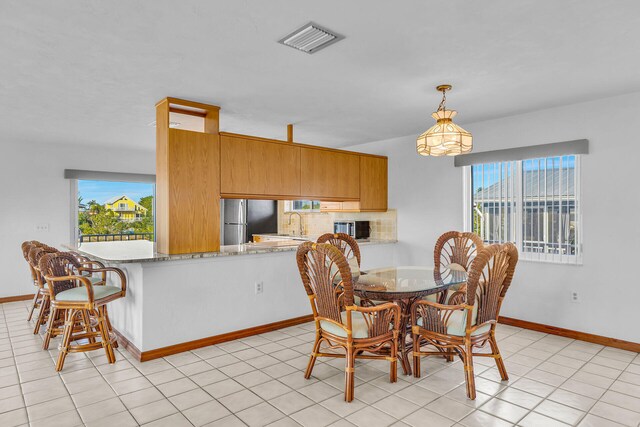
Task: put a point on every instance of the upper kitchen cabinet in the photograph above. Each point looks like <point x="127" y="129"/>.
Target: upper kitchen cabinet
<point x="373" y="183"/>
<point x="329" y="175"/>
<point x="252" y="167"/>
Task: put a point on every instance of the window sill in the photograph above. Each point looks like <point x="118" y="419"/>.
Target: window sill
<point x="570" y="262"/>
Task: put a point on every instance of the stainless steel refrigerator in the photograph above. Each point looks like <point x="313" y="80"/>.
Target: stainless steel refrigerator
<point x="241" y="219"/>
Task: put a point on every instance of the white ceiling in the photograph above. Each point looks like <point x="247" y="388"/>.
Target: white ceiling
<point x="90" y="72"/>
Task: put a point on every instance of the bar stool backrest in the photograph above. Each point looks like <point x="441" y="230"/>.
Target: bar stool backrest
<point x="35" y="254"/>
<point x="59" y="264"/>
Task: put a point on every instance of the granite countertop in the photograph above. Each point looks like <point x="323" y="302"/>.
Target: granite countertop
<point x="138" y="251"/>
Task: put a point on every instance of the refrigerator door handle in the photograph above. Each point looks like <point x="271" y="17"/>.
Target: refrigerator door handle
<point x="243" y="211"/>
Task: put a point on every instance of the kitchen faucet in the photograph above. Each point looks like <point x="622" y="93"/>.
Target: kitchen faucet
<point x="300" y="231"/>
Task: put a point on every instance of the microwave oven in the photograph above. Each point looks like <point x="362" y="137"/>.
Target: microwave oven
<point x="355" y="229"/>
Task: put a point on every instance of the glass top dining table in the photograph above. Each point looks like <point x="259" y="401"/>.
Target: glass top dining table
<point x="404" y="282"/>
<point x="404" y="285"/>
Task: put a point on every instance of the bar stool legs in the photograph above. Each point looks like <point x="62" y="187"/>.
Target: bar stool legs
<point x="66" y="338"/>
<point x="105" y="331"/>
<point x="42" y="315"/>
<point x="36" y="301"/>
<point x="72" y="333"/>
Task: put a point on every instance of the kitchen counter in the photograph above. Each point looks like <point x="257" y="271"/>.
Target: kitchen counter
<point x="142" y="251"/>
<point x="199" y="296"/>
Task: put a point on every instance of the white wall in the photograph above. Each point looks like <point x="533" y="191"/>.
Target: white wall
<point x="173" y="302"/>
<point x="428" y="195"/>
<point x="34" y="191"/>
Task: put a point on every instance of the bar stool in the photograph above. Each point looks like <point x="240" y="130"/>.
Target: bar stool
<point x="96" y="280"/>
<point x="35" y="254"/>
<point x="26" y="247"/>
<point x="74" y="295"/>
<point x="88" y="264"/>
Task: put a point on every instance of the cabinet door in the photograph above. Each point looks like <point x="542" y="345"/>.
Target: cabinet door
<point x="330" y="206"/>
<point x="250" y="167"/>
<point x="329" y="174"/>
<point x="373" y="183"/>
<point x="339" y="206"/>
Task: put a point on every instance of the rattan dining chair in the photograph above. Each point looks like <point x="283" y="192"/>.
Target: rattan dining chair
<point x="347" y="245"/>
<point x="360" y="331"/>
<point x="351" y="251"/>
<point x="469" y="319"/>
<point x="82" y="303"/>
<point x="452" y="256"/>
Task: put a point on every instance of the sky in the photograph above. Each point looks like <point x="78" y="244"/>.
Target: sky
<point x="100" y="191"/>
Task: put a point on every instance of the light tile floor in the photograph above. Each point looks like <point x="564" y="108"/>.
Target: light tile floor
<point x="259" y="381"/>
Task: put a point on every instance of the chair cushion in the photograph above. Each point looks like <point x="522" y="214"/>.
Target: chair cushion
<point x="455" y="267"/>
<point x="95" y="279"/>
<point x="458" y="323"/>
<point x="358" y="326"/>
<point x="434" y="297"/>
<point x="80" y="293"/>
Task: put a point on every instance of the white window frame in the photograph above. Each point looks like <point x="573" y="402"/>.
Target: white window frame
<point x="529" y="256"/>
<point x="75" y="175"/>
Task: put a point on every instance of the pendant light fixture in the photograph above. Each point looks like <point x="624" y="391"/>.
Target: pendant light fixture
<point x="445" y="138"/>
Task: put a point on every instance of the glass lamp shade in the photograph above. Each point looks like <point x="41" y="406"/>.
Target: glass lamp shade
<point x="445" y="138"/>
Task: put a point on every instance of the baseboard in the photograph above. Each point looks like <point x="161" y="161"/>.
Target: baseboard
<point x="128" y="345"/>
<point x="157" y="353"/>
<point x="568" y="333"/>
<point x="17" y="298"/>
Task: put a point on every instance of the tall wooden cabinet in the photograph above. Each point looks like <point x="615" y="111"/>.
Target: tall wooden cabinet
<point x="187" y="182"/>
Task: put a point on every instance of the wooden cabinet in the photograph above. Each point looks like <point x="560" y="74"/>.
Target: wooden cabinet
<point x="329" y="175"/>
<point x="253" y="167"/>
<point x="339" y="206"/>
<point x="373" y="183"/>
<point x="188" y="212"/>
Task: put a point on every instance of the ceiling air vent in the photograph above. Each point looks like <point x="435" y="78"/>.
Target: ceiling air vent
<point x="310" y="38"/>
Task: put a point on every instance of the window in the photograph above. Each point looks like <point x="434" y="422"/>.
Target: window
<point x="302" y="206"/>
<point x="102" y="216"/>
<point x="533" y="203"/>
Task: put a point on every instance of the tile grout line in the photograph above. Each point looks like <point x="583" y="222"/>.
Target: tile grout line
<point x="293" y="362"/>
<point x="61" y="380"/>
<point x="15" y="364"/>
<point x="529" y="411"/>
<point x="119" y="395"/>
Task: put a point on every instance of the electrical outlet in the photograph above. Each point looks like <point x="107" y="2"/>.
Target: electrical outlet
<point x="575" y="297"/>
<point x="42" y="228"/>
<point x="259" y="287"/>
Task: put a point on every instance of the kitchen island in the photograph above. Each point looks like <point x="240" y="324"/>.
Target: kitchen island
<point x="180" y="302"/>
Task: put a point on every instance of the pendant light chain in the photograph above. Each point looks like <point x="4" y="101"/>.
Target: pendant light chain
<point x="442" y="106"/>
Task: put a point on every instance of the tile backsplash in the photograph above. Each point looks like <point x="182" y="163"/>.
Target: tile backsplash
<point x="383" y="224"/>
